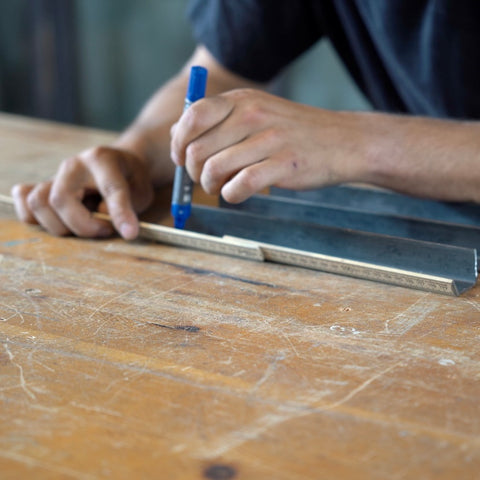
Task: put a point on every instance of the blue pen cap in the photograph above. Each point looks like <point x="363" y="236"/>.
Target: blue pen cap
<point x="197" y="83"/>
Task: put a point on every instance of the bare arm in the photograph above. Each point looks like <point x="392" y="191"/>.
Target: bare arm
<point x="438" y="159"/>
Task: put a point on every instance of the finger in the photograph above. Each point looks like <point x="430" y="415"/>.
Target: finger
<point x="39" y="205"/>
<point x="66" y="195"/>
<point x="109" y="174"/>
<point x="142" y="194"/>
<point x="202" y="116"/>
<point x="253" y="179"/>
<point x="219" y="168"/>
<point x="172" y="129"/>
<point x="221" y="139"/>
<point x="140" y="184"/>
<point x="20" y="193"/>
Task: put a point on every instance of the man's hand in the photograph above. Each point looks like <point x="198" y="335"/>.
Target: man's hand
<point x="242" y="141"/>
<point x="119" y="177"/>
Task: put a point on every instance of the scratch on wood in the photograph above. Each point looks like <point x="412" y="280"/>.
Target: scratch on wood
<point x="49" y="466"/>
<point x="107" y="303"/>
<point x="44" y="366"/>
<point x="473" y="304"/>
<point x="96" y="409"/>
<point x="17" y="312"/>
<point x="251" y="432"/>
<point x="361" y="387"/>
<point x="413" y="315"/>
<point x="23" y="384"/>
<point x="287" y="338"/>
<point x="11" y="387"/>
<point x="237" y="438"/>
<point x="272" y="366"/>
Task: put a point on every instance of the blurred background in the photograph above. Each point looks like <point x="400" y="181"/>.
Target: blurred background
<point x="96" y="62"/>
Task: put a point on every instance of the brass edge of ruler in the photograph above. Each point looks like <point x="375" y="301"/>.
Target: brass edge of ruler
<point x="233" y="246"/>
<point x="353" y="268"/>
<point x="201" y="241"/>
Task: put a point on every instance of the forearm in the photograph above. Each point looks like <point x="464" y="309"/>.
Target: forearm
<point x="423" y="157"/>
<point x="148" y="136"/>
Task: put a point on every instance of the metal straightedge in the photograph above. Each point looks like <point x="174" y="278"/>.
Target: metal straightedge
<point x="358" y="232"/>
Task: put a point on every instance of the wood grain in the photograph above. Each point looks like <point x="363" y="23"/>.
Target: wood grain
<point x="134" y="360"/>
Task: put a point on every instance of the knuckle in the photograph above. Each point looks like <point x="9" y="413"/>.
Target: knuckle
<point x="95" y="155"/>
<point x="251" y="104"/>
<point x="192" y="118"/>
<point x="211" y="178"/>
<point x="249" y="180"/>
<point x="99" y="151"/>
<point x="37" y="198"/>
<point x="273" y="135"/>
<point x="211" y="171"/>
<point x="20" y="190"/>
<point x="70" y="165"/>
<point x="56" y="199"/>
<point x="194" y="152"/>
<point x="253" y="113"/>
<point x="243" y="93"/>
<point x="111" y="188"/>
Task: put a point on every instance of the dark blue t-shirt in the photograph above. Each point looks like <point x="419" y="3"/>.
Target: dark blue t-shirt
<point x="415" y="56"/>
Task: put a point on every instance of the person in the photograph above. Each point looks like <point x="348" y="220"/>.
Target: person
<point x="415" y="60"/>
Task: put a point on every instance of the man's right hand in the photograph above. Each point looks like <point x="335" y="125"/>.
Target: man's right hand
<point x="119" y="178"/>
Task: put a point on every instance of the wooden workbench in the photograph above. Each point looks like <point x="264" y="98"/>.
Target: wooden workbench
<point x="139" y="360"/>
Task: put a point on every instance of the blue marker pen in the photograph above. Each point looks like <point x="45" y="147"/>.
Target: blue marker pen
<point x="182" y="183"/>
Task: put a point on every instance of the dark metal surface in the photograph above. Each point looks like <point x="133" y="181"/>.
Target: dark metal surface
<point x="374" y="222"/>
<point x="427" y="258"/>
<point x="385" y="202"/>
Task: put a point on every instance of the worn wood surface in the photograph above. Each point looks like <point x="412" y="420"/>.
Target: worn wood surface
<point x="138" y="360"/>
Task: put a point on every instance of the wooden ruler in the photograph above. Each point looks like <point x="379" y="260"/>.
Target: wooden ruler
<point x="6" y="204"/>
<point x="258" y="251"/>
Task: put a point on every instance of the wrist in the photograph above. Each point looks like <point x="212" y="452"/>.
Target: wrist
<point x="355" y="147"/>
<point x="148" y="148"/>
<point x="377" y="141"/>
<point x="136" y="143"/>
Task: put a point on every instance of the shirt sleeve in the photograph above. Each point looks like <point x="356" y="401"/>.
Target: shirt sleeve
<point x="255" y="38"/>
